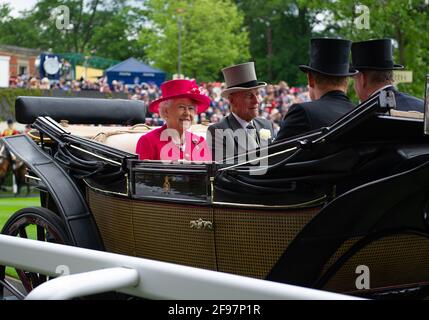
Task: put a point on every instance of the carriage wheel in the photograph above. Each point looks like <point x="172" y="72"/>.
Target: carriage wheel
<point x="35" y="223"/>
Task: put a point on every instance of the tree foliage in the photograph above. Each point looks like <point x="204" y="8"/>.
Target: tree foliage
<point x="404" y="21"/>
<point x="105" y="26"/>
<point x="212" y="36"/>
<point x="280" y="31"/>
<point x="217" y="33"/>
<point x="294" y="22"/>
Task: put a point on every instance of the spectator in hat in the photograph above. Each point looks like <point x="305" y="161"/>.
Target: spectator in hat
<point x="10" y="130"/>
<point x="34" y="83"/>
<point x="374" y="60"/>
<point x="327" y="76"/>
<point x="242" y="92"/>
<point x="45" y="84"/>
<point x="181" y="101"/>
<point x="203" y="118"/>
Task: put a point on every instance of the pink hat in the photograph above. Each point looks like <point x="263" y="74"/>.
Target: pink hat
<point x="181" y="88"/>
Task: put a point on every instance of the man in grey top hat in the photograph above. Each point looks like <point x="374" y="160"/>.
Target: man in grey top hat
<point x="242" y="130"/>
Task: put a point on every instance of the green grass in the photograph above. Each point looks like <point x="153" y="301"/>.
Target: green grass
<point x="8" y="206"/>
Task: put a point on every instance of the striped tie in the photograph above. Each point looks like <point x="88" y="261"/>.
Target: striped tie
<point x="252" y="132"/>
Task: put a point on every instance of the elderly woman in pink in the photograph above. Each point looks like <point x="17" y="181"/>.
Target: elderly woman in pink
<point x="181" y="101"/>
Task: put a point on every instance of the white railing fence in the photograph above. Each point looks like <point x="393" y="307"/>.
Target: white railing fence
<point x="86" y="272"/>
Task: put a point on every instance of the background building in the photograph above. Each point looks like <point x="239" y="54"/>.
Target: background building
<point x="21" y="61"/>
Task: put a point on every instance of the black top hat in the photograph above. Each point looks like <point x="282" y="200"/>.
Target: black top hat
<point x="330" y="57"/>
<point x="374" y="54"/>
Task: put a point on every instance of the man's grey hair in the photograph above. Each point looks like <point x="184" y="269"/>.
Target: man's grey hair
<point x="379" y="76"/>
<point x="228" y="97"/>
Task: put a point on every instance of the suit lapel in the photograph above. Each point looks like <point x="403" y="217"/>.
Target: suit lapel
<point x="233" y="123"/>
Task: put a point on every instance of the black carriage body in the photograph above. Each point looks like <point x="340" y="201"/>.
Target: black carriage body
<point x="327" y="196"/>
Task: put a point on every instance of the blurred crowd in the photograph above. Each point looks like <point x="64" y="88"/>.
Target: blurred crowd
<point x="276" y="98"/>
<point x="66" y="85"/>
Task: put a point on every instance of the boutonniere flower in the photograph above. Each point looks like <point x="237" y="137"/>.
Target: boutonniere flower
<point x="265" y="134"/>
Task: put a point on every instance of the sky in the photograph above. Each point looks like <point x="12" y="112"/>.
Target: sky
<point x="19" y="5"/>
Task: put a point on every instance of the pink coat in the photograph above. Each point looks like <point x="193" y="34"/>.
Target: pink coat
<point x="150" y="147"/>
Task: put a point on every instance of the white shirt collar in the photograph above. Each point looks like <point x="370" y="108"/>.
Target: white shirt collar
<point x="377" y="91"/>
<point x="242" y="122"/>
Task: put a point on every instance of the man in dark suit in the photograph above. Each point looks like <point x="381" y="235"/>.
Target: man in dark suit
<point x="374" y="60"/>
<point x="327" y="77"/>
<point x="242" y="130"/>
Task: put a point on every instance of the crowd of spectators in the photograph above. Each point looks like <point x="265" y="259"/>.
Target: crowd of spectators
<point x="276" y="98"/>
<point x="66" y="85"/>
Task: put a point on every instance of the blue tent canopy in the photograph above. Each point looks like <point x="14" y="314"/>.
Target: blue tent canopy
<point x="133" y="71"/>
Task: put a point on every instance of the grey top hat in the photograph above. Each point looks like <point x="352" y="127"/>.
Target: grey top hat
<point x="240" y="77"/>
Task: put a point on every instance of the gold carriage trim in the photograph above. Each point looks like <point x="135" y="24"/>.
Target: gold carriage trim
<point x="285" y="206"/>
<point x="200" y="224"/>
<point x="38" y="138"/>
<point x="110" y="192"/>
<point x="166" y="186"/>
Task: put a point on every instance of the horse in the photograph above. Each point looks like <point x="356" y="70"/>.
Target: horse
<point x="9" y="162"/>
<point x="4" y="165"/>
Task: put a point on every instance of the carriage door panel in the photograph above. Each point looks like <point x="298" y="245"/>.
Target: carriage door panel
<point x="249" y="241"/>
<point x="170" y="232"/>
<point x="172" y="217"/>
<point x="114" y="220"/>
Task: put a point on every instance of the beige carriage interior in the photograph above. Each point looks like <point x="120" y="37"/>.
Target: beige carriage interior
<point x="122" y="138"/>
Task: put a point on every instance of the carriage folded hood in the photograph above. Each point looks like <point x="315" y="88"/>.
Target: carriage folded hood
<point x="80" y="110"/>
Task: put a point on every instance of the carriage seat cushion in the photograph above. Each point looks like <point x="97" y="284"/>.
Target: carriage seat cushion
<point x="407" y="114"/>
<point x="124" y="141"/>
<point x="122" y="138"/>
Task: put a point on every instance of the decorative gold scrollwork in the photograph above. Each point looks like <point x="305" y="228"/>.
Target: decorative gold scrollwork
<point x="200" y="224"/>
<point x="166" y="186"/>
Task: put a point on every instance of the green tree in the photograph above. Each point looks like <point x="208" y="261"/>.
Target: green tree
<point x="405" y="21"/>
<point x="279" y="35"/>
<point x="17" y="31"/>
<point x="212" y="36"/>
<point x="280" y="31"/>
<point x="108" y="26"/>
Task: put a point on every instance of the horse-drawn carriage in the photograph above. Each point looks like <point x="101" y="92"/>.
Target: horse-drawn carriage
<point x="329" y="202"/>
